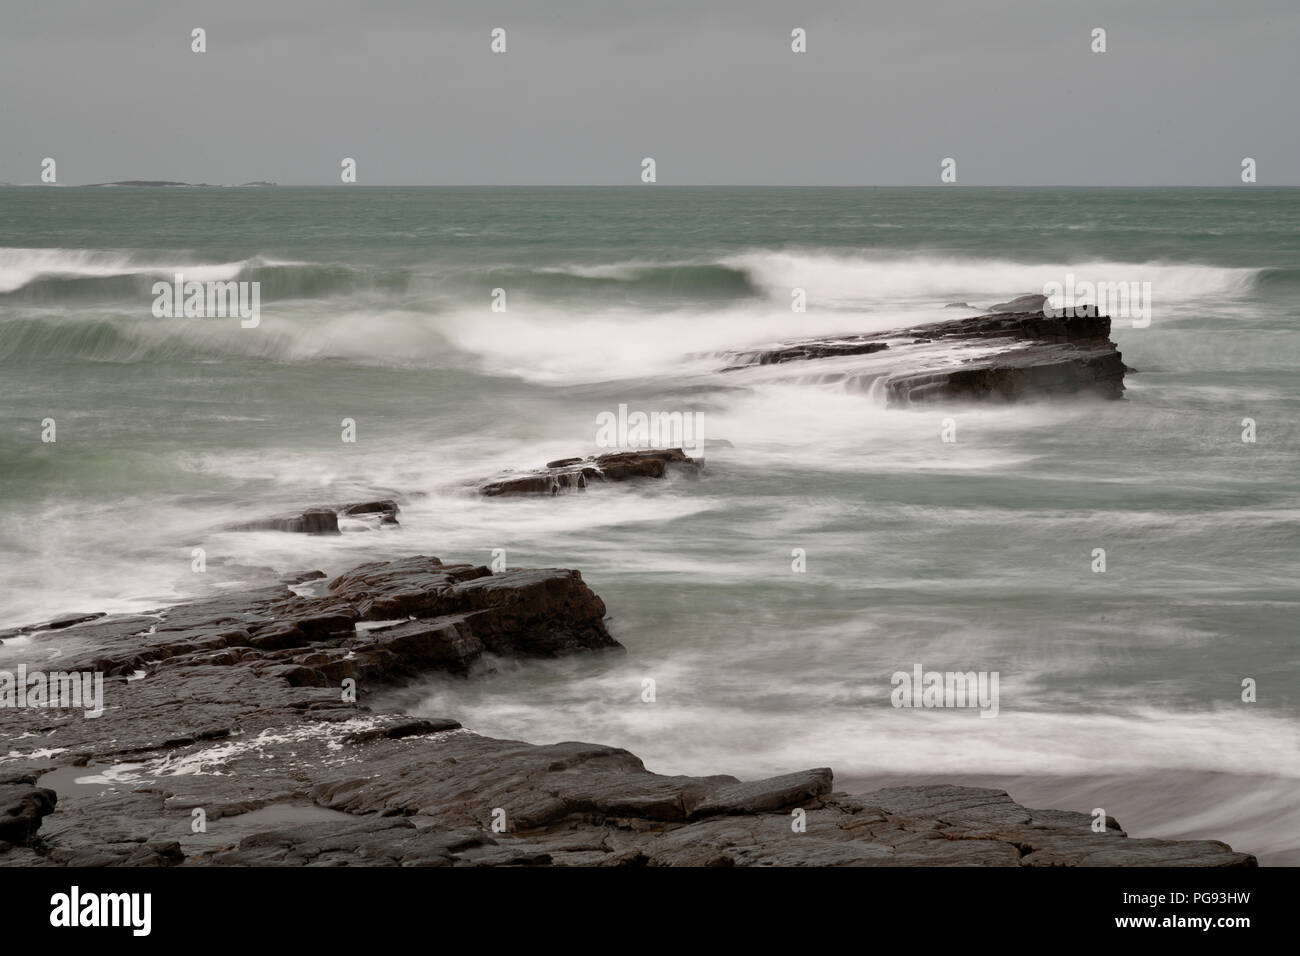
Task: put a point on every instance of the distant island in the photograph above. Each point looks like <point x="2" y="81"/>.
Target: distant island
<point x="165" y="182"/>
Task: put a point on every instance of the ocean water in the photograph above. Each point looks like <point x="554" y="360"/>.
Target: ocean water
<point x="1120" y="689"/>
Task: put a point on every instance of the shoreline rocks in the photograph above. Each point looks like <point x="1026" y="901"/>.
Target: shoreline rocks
<point x="236" y="706"/>
<point x="376" y="622"/>
<point x="253" y="707"/>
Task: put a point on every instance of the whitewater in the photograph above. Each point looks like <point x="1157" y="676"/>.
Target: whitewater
<point x="1122" y="687"/>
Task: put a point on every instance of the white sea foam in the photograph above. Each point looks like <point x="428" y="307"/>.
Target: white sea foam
<point x="579" y="343"/>
<point x="20" y="266"/>
<point x="917" y="549"/>
<point x="859" y="280"/>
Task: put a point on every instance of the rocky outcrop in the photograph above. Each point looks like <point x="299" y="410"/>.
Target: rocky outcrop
<point x="376" y="623"/>
<point x="1046" y="373"/>
<point x="575" y="474"/>
<point x="23" y="805"/>
<point x="308" y="521"/>
<point x="385" y="509"/>
<point x="322" y="520"/>
<point x="1030" y="302"/>
<point x="57" y="624"/>
<point x="236" y="709"/>
<point x="1013" y="355"/>
<point x="388" y="790"/>
<point x="802" y="351"/>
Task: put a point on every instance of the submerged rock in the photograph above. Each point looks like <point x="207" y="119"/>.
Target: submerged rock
<point x="321" y="520"/>
<point x="386" y="509"/>
<point x="574" y="474"/>
<point x="308" y="521"/>
<point x="804" y="350"/>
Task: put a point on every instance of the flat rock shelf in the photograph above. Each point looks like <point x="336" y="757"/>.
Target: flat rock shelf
<point x="237" y="708"/>
<point x="1005" y="356"/>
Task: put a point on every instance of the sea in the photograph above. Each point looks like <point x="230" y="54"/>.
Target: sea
<point x="1128" y="569"/>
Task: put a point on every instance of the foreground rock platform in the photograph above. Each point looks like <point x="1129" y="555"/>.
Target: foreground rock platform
<point x="1015" y="355"/>
<point x="235" y="710"/>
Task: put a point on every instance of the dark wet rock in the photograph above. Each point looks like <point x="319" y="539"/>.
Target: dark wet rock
<point x="231" y="739"/>
<point x="23" y="805"/>
<point x="1065" y="355"/>
<point x="240" y="714"/>
<point x="70" y="619"/>
<point x="575" y="474"/>
<point x="436" y="616"/>
<point x="802" y="351"/>
<point x="57" y="624"/>
<point x="1014" y="356"/>
<point x="323" y="520"/>
<point x="367" y="841"/>
<point x="386" y="510"/>
<point x="308" y="521"/>
<point x="410" y="792"/>
<point x="1030" y="302"/>
<point x="1054" y="371"/>
<point x="1030" y="327"/>
<point x="302" y="577"/>
<point x="763" y="796"/>
<point x="401" y="730"/>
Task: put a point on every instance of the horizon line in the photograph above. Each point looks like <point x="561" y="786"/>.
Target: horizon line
<point x="177" y="184"/>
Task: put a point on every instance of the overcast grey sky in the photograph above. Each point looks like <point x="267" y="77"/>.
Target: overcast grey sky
<point x="1009" y="88"/>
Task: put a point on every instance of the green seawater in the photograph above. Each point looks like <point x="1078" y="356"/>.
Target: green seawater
<point x="973" y="555"/>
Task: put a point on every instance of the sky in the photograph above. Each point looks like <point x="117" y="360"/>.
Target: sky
<point x="710" y="89"/>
